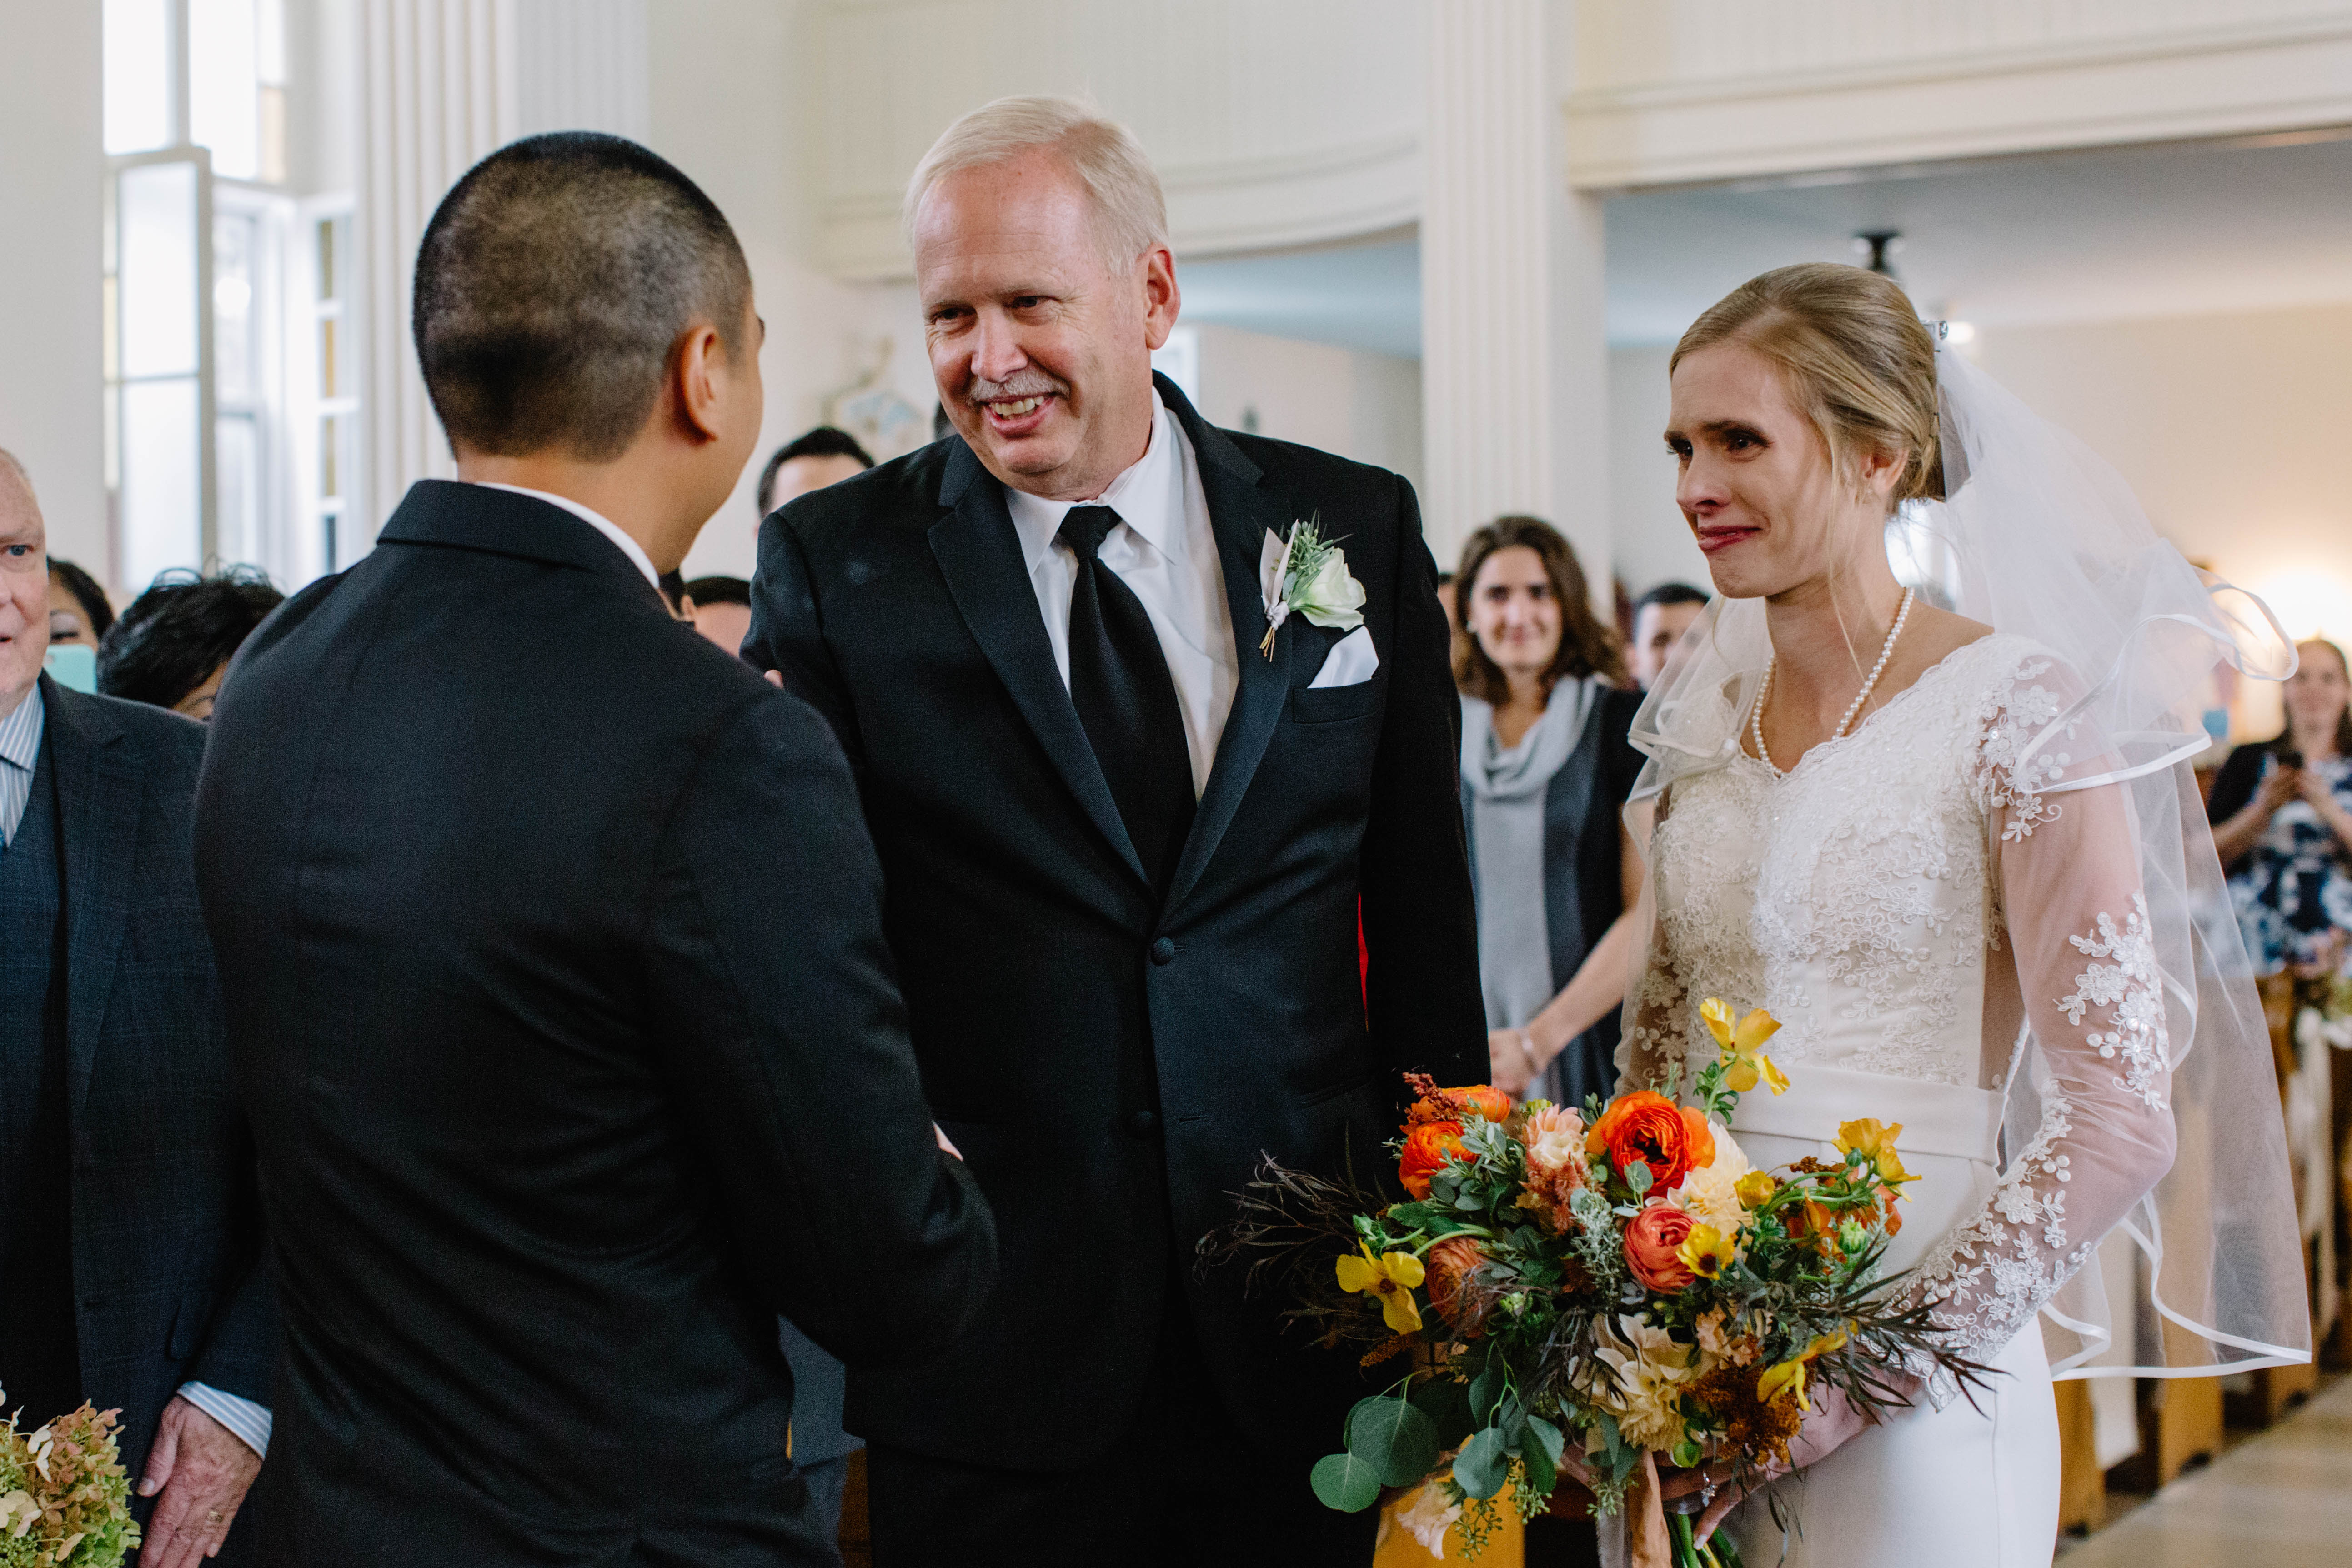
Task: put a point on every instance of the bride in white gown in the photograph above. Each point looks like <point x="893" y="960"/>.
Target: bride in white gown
<point x="1947" y="852"/>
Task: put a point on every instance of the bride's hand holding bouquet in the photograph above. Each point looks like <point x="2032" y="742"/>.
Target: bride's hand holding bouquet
<point x="1613" y="1296"/>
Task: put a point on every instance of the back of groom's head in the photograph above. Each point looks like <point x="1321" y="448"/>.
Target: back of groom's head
<point x="552" y="284"/>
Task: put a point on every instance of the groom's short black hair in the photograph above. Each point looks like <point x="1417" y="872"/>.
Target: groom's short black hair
<point x="552" y="283"/>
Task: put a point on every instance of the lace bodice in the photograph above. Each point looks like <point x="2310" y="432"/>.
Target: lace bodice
<point x="1899" y="900"/>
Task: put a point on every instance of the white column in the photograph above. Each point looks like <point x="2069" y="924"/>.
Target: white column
<point x="442" y="84"/>
<point x="52" y="183"/>
<point x="1514" y="356"/>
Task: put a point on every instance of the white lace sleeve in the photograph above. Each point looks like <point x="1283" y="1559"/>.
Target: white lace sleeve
<point x="1656" y="997"/>
<point x="2070" y="899"/>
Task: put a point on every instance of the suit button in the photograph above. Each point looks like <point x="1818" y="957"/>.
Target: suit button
<point x="1163" y="951"/>
<point x="1143" y="1123"/>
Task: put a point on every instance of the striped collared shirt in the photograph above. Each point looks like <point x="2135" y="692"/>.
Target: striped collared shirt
<point x="20" y="747"/>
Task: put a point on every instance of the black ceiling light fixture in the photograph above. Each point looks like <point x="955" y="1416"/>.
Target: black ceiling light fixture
<point x="1879" y="243"/>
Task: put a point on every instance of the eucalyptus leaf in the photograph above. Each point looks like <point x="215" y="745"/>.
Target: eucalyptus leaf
<point x="1446" y="1401"/>
<point x="1484" y="1390"/>
<point x="1483" y="1464"/>
<point x="1542" y="1474"/>
<point x="1393" y="1437"/>
<point x="1638" y="1177"/>
<point x="1548" y="1440"/>
<point x="1348" y="1427"/>
<point x="1345" y="1482"/>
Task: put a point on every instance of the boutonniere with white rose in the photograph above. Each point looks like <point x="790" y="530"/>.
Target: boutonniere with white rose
<point x="1311" y="579"/>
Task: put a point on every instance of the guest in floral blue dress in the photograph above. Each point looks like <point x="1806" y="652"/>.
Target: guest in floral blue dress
<point x="2281" y="815"/>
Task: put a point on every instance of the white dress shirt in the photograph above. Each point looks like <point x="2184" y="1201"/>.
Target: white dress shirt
<point x="1166" y="551"/>
<point x="595" y="520"/>
<point x="22" y="730"/>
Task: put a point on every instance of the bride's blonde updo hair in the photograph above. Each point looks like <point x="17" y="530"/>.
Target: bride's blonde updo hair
<point x="1854" y="355"/>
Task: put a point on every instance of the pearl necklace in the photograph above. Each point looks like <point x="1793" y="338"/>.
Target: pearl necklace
<point x="1756" y="718"/>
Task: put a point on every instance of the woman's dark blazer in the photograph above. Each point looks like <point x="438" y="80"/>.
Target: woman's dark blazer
<point x="1583" y="890"/>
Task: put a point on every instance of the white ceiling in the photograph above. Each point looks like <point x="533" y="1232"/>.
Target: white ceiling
<point x="2129" y="232"/>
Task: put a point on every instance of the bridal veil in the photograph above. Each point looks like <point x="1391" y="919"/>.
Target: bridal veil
<point x="2040" y="537"/>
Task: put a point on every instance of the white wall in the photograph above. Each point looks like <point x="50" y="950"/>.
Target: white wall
<point x="2231" y="430"/>
<point x="1651" y="543"/>
<point x="1361" y="405"/>
<point x="736" y="117"/>
<point x="52" y="174"/>
<point x="1272" y="124"/>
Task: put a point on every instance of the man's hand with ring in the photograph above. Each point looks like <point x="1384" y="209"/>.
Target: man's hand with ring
<point x="201" y="1470"/>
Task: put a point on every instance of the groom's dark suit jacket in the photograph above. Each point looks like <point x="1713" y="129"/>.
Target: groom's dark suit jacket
<point x="1114" y="1069"/>
<point x="551" y="947"/>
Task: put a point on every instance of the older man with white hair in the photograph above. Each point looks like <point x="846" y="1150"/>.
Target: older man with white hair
<point x="133" y="1272"/>
<point x="1136" y="797"/>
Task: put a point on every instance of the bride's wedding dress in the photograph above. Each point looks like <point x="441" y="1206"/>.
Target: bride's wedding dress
<point x="1902" y="900"/>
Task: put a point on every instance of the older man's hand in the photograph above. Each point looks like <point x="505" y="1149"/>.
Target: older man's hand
<point x="202" y="1469"/>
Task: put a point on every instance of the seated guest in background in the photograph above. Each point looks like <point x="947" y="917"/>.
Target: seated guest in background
<point x="2282" y="815"/>
<point x="1661" y="616"/>
<point x="172" y="645"/>
<point x="824" y="456"/>
<point x="78" y="611"/>
<point x="1545" y="769"/>
<point x="553" y="951"/>
<point x="131" y="1272"/>
<point x="720" y="608"/>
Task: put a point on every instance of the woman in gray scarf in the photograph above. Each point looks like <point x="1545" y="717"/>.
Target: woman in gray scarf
<point x="1546" y="768"/>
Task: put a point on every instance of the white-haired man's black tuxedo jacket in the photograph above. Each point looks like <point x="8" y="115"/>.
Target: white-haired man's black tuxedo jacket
<point x="1111" y="1067"/>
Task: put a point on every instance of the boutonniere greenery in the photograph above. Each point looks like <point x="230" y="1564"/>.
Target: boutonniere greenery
<point x="1312" y="580"/>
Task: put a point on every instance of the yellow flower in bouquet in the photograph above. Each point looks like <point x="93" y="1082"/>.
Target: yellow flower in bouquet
<point x="1707" y="1252"/>
<point x="1742" y="1044"/>
<point x="1755" y="1189"/>
<point x="1391" y="1276"/>
<point x="1789" y="1376"/>
<point x="1873" y="1138"/>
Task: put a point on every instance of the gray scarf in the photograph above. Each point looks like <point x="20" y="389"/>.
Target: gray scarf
<point x="1507" y="835"/>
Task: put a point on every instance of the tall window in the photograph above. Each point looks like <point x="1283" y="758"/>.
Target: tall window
<point x="215" y="384"/>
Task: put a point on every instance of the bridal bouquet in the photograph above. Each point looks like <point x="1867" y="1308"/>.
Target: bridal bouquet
<point x="1617" y="1288"/>
<point x="65" y="1500"/>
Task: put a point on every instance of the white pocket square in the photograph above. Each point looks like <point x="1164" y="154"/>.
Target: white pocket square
<point x="1350" y="662"/>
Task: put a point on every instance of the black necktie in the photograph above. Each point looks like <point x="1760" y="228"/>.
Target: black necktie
<point x="1120" y="686"/>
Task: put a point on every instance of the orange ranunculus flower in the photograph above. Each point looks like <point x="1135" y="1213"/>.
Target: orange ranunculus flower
<point x="1672" y="1140"/>
<point x="1654" y="1242"/>
<point x="1487" y="1101"/>
<point x="1427" y="1146"/>
<point x="1454" y="1287"/>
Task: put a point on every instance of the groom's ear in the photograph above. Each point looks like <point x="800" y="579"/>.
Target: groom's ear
<point x="702" y="374"/>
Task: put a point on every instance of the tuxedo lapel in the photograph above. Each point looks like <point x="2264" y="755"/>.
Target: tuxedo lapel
<point x="1242" y="512"/>
<point x="980" y="555"/>
<point x="97" y="801"/>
